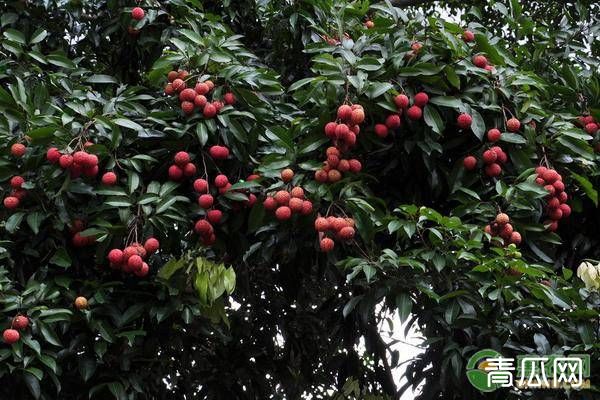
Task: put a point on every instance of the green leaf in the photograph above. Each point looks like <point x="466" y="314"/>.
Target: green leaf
<point x="101" y="79"/>
<point x="433" y="119"/>
<point x="127" y="123"/>
<point x="14" y="35"/>
<point x="61" y="258"/>
<point x="13" y="222"/>
<point x="39" y="35"/>
<point x="588" y="187"/>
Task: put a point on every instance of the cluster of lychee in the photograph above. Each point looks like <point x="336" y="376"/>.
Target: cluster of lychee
<point x="78" y="163"/>
<point x="335" y="166"/>
<point x="481" y="61"/>
<point x="17" y="193"/>
<point x="402" y="101"/>
<point x="332" y="227"/>
<point x="556" y="201"/>
<point x="78" y="240"/>
<point x="12" y="335"/>
<point x="589" y="124"/>
<point x="131" y="259"/>
<point x="345" y="129"/>
<point x="182" y="167"/>
<point x="285" y="203"/>
<point x="502" y="227"/>
<point x="493" y="159"/>
<point x="196" y="98"/>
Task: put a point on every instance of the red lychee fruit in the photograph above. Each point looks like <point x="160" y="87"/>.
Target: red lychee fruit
<point x="65" y="161"/>
<point x="135" y="262"/>
<point x="480" y="61"/>
<point x="282" y="197"/>
<point x="295" y="204"/>
<point x="416" y="47"/>
<point x="16" y="182"/>
<point x="421" y="99"/>
<point x="151" y="245"/>
<point x="175" y="173"/>
<point x="414" y="113"/>
<point x="270" y="204"/>
<point x="219" y="152"/>
<point x="591" y="128"/>
<point x="221" y="181"/>
<point x="381" y="130"/>
<point x="321" y="176"/>
<point x="229" y="98"/>
<point x="53" y="155"/>
<point x="401" y="101"/>
<point x="287" y="175"/>
<point x="187" y="95"/>
<point x="10" y="336"/>
<point x="187" y="107"/>
<point x="11" y="202"/>
<point x="346" y="233"/>
<point x="550" y="176"/>
<point x="468" y="36"/>
<point x="143" y="271"/>
<point x="493" y="170"/>
<point x="181" y="158"/>
<point x="566" y="210"/>
<point x="344" y="112"/>
<point x="18" y="149"/>
<point x="330" y="130"/>
<point x="178" y="84"/>
<point x="334" y="175"/>
<point x="515" y="238"/>
<point x="494" y="135"/>
<point x="354" y="165"/>
<point x="172" y="75"/>
<point x="116" y="256"/>
<point x="358" y="116"/>
<point x="393" y="121"/>
<point x="283" y="213"/>
<point x="297" y="192"/>
<point x="513" y="125"/>
<point x="169" y="90"/>
<point x="470" y="163"/>
<point x="307" y="207"/>
<point x="109" y="178"/>
<point x="369" y="24"/>
<point x="502" y="219"/>
<point x="489" y="156"/>
<point x="326" y="245"/>
<point x="321" y="224"/>
<point x="464" y="121"/>
<point x="137" y="13"/>
<point x="214" y="216"/>
<point x="206" y="201"/>
<point x="201" y="185"/>
<point x="20" y="322"/>
<point x="203" y="227"/>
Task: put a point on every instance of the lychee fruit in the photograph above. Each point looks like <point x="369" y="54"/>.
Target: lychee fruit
<point x="287" y="175"/>
<point x="326" y="245"/>
<point x="10" y="336"/>
<point x="283" y="213"/>
<point x="109" y="178"/>
<point x="18" y="149"/>
<point x="421" y="99"/>
<point x="414" y="113"/>
<point x="494" y="135"/>
<point x="513" y="125"/>
<point x="206" y="201"/>
<point x="401" y="101"/>
<point x="137" y="13"/>
<point x="470" y="163"/>
<point x="464" y="121"/>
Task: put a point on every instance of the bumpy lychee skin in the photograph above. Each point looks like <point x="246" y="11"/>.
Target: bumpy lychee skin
<point x="270" y="204"/>
<point x="282" y="197"/>
<point x="209" y="111"/>
<point x="10" y="336"/>
<point x="344" y="112"/>
<point x="297" y="192"/>
<point x="330" y="129"/>
<point x="401" y="101"/>
<point x="414" y="113"/>
<point x="493" y="135"/>
<point x="464" y="121"/>
<point x="470" y="163"/>
<point x="283" y="213"/>
<point x="515" y="238"/>
<point x="20" y="322"/>
<point x="346" y="233"/>
<point x="321" y="224"/>
<point x="115" y="256"/>
<point x="229" y="98"/>
<point x="175" y="173"/>
<point x="502" y="219"/>
<point x="381" y="130"/>
<point x="11" y="202"/>
<point x="295" y="204"/>
<point x="326" y="245"/>
<point x="109" y="178"/>
<point x="493" y="170"/>
<point x="489" y="156"/>
<point x="219" y="152"/>
<point x="358" y="116"/>
<point x="591" y="128"/>
<point x="513" y="125"/>
<point x="178" y="85"/>
<point x="137" y="13"/>
<point x="550" y="176"/>
<point x="81" y="303"/>
<point x="206" y="201"/>
<point x="287" y="175"/>
<point x="18" y="149"/>
<point x="181" y="158"/>
<point x="151" y="245"/>
<point x="480" y="61"/>
<point x="393" y="121"/>
<point x="16" y="182"/>
<point x="53" y="155"/>
<point x="421" y="99"/>
<point x="214" y="216"/>
<point x="187" y="107"/>
<point x="187" y="95"/>
<point x="468" y="36"/>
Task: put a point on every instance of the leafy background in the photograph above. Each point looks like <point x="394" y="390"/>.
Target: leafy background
<point x="304" y="323"/>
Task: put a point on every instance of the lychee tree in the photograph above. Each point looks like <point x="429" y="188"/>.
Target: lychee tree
<point x="188" y="213"/>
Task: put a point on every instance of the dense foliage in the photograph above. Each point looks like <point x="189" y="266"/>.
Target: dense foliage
<point x="274" y="281"/>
